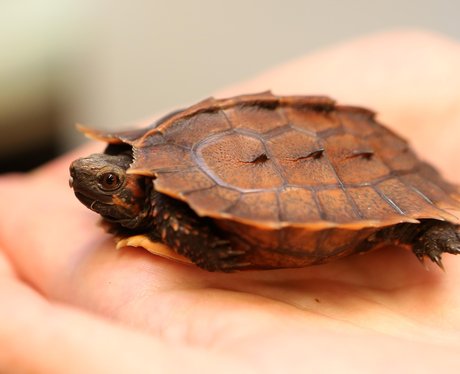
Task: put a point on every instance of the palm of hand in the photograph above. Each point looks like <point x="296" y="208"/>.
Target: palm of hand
<point x="354" y="310"/>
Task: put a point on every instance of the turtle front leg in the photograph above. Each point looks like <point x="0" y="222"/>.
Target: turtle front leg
<point x="436" y="238"/>
<point x="194" y="237"/>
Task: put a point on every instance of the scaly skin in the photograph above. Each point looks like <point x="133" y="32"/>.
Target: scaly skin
<point x="194" y="237"/>
<point x="428" y="239"/>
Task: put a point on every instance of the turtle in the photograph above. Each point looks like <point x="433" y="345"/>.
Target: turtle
<point x="259" y="181"/>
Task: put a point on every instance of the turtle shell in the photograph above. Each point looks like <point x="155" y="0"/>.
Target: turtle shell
<point x="276" y="162"/>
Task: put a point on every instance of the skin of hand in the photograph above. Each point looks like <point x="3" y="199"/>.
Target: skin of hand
<point x="72" y="303"/>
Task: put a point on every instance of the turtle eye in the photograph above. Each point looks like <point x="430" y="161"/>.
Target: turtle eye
<point x="109" y="181"/>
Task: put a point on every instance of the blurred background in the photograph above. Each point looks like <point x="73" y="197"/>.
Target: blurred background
<point x="106" y="63"/>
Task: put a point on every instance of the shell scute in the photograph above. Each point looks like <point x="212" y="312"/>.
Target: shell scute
<point x="240" y="161"/>
<point x="337" y="206"/>
<point x="292" y="145"/>
<point x="191" y="130"/>
<point x="216" y="199"/>
<point x="431" y="191"/>
<point x="259" y="119"/>
<point x="394" y="152"/>
<point x="257" y="206"/>
<point x="160" y="157"/>
<point x="369" y="203"/>
<point x="354" y="160"/>
<point x="310" y="120"/>
<point x="404" y="198"/>
<point x="184" y="181"/>
<point x="298" y="205"/>
<point x="357" y="121"/>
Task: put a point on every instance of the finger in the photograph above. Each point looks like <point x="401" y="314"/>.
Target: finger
<point x="40" y="337"/>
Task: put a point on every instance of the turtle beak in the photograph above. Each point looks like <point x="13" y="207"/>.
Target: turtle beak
<point x="72" y="174"/>
<point x="81" y="178"/>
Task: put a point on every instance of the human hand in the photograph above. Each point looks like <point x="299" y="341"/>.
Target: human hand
<point x="72" y="303"/>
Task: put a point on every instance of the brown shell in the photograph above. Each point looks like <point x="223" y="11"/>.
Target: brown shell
<point x="281" y="161"/>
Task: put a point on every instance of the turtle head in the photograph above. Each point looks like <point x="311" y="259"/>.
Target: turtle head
<point x="101" y="183"/>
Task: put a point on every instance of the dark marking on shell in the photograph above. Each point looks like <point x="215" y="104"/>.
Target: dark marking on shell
<point x="363" y="153"/>
<point x="260" y="159"/>
<point x="314" y="155"/>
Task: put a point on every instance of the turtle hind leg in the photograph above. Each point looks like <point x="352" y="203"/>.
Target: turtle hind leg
<point x="435" y="238"/>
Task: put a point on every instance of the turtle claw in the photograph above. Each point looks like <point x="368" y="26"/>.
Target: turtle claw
<point x="440" y="264"/>
<point x="436" y="258"/>
<point x="453" y="248"/>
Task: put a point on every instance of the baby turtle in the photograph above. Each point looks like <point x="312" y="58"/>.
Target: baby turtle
<point x="262" y="181"/>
